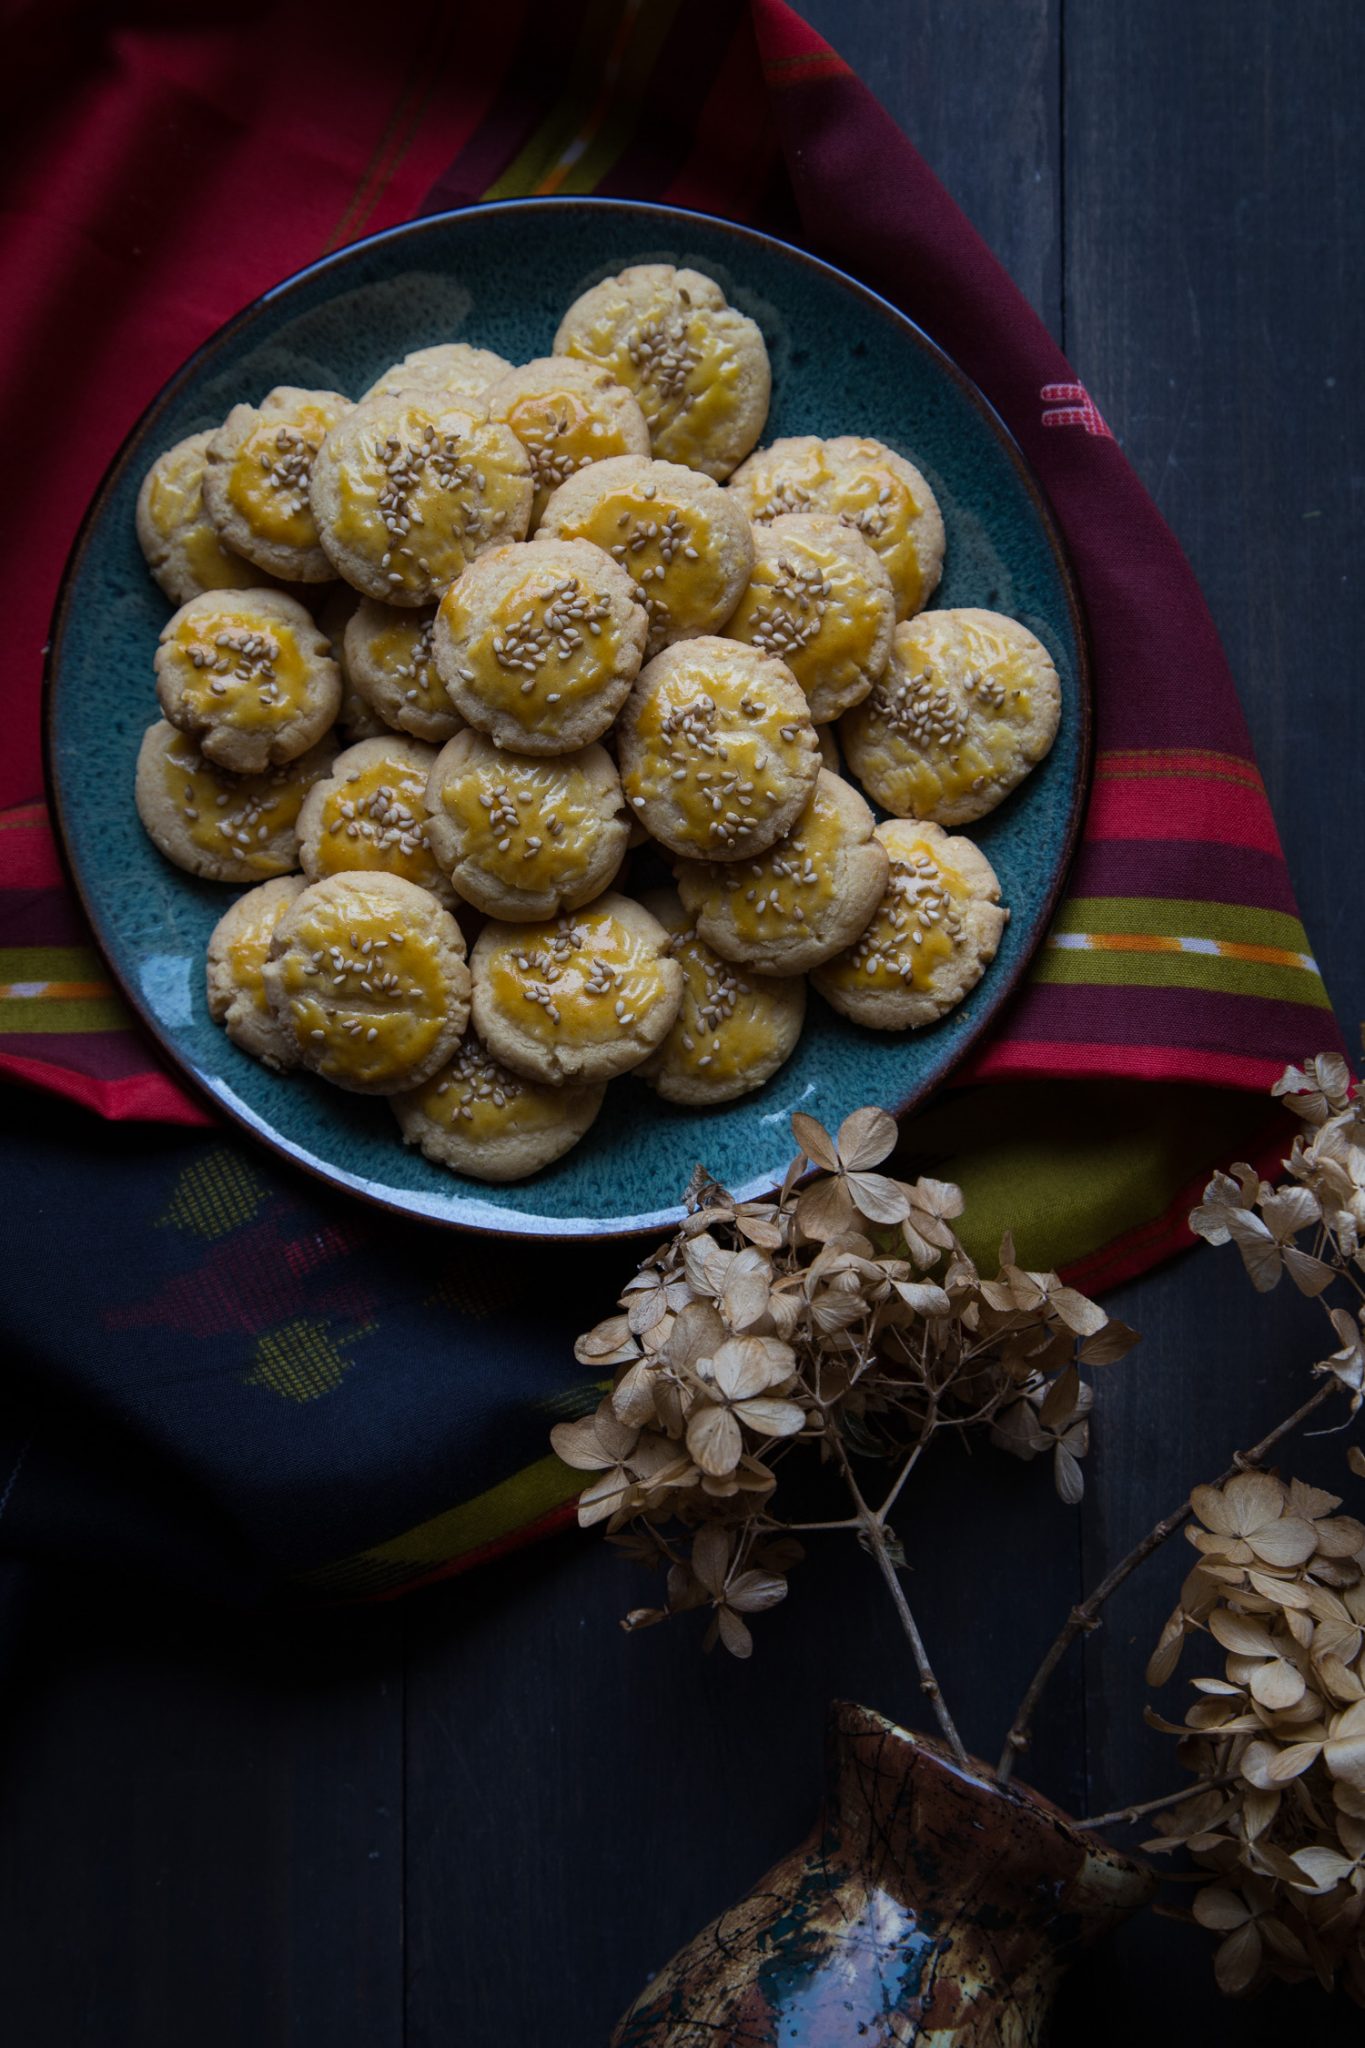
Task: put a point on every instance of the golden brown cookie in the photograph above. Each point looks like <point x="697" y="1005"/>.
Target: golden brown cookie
<point x="820" y="600"/>
<point x="523" y="837"/>
<point x="178" y="539"/>
<point x="452" y="368"/>
<point x="224" y="828"/>
<point x="578" y="1000"/>
<point x="566" y="414"/>
<point x="249" y="676"/>
<point x="477" y="1117"/>
<point x="717" y="752"/>
<point x="866" y="485"/>
<point x="539" y="643"/>
<point x="698" y="369"/>
<point x="805" y="899"/>
<point x="685" y="543"/>
<point x="390" y="666"/>
<point x="931" y="938"/>
<point x="969" y="703"/>
<point x="410" y="487"/>
<point x="238" y="947"/>
<point x="370" y="812"/>
<point x="733" y="1030"/>
<point x="367" y="979"/>
<point x="256" y="478"/>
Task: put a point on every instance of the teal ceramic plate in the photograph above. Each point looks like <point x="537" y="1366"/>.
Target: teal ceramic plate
<point x="843" y="361"/>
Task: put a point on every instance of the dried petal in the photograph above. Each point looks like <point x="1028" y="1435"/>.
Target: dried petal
<point x="815" y="1141"/>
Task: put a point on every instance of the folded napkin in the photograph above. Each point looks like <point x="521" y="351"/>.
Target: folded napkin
<point x="247" y="1380"/>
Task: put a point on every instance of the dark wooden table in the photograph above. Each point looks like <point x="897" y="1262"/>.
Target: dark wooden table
<point x="485" y="1815"/>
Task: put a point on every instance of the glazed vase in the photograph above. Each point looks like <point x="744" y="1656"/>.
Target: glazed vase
<point x="929" y="1905"/>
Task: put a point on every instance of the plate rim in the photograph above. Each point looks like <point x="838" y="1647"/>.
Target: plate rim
<point x="570" y="1231"/>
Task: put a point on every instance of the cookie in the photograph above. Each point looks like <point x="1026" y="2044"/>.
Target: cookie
<point x="389" y="666"/>
<point x="698" y="369"/>
<point x="221" y="827"/>
<point x="238" y="947"/>
<point x="539" y="643"/>
<point x="480" y="1118"/>
<point x="820" y="600"/>
<point x="454" y="368"/>
<point x="580" y="999"/>
<point x="367" y="979"/>
<point x="931" y="937"/>
<point x="717" y="752"/>
<point x="411" y="486"/>
<point x="566" y="414"/>
<point x="249" y="676"/>
<point x="178" y="539"/>
<point x="684" y="541"/>
<point x="805" y="899"/>
<point x="524" y="838"/>
<point x="256" y="476"/>
<point x="733" y="1029"/>
<point x="969" y="703"/>
<point x="370" y="813"/>
<point x="866" y="486"/>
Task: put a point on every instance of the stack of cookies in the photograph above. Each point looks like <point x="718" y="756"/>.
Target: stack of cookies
<point x="456" y="663"/>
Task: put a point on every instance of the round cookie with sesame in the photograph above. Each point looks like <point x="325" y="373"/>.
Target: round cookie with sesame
<point x="238" y="946"/>
<point x="367" y="979"/>
<point x="370" y="813"/>
<point x="698" y="368"/>
<point x="256" y="478"/>
<point x="523" y="837"/>
<point x="411" y="486"/>
<point x="805" y="899"/>
<point x="733" y="1030"/>
<point x="390" y="666"/>
<point x="867" y="487"/>
<point x="539" y="643"/>
<point x="179" y="541"/>
<point x="684" y="542"/>
<point x="455" y="369"/>
<point x="249" y="676"/>
<point x="221" y="827"/>
<point x="717" y="750"/>
<point x="567" y="414"/>
<point x="820" y="600"/>
<point x="479" y="1118"/>
<point x="969" y="703"/>
<point x="577" y="1000"/>
<point x="930" y="939"/>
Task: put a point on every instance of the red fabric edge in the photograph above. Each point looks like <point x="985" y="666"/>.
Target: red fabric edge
<point x="562" y="1517"/>
<point x="145" y="1098"/>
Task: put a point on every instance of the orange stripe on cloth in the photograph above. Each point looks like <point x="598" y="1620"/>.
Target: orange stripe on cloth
<point x="54" y="991"/>
<point x="1158" y="942"/>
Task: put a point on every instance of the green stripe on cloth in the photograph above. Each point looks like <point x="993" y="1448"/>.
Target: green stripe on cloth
<point x="33" y="1015"/>
<point x="1176" y="918"/>
<point x="51" y="963"/>
<point x="628" y="31"/>
<point x="1215" y="972"/>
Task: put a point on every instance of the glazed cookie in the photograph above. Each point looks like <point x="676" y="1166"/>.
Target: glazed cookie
<point x="455" y="368"/>
<point x="480" y="1118"/>
<point x="523" y="838"/>
<point x="685" y="542"/>
<point x="821" y="601"/>
<point x="256" y="480"/>
<point x="224" y="828"/>
<point x="390" y="667"/>
<point x="577" y="1000"/>
<point x="733" y="1029"/>
<point x="866" y="486"/>
<point x="370" y="813"/>
<point x="566" y="414"/>
<point x="969" y="703"/>
<point x="802" y="901"/>
<point x="367" y="979"/>
<point x="249" y="676"/>
<point x="539" y="643"/>
<point x="717" y="751"/>
<point x="411" y="486"/>
<point x="931" y="938"/>
<point x="179" y="540"/>
<point x="698" y="369"/>
<point x="236" y="988"/>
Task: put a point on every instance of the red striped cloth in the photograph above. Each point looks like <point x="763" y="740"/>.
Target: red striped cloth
<point x="163" y="174"/>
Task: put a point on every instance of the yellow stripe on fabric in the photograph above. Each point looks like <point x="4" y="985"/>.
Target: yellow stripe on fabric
<point x="1124" y="968"/>
<point x="1177" y="918"/>
<point x="612" y="121"/>
<point x="59" y="1014"/>
<point x="602" y="24"/>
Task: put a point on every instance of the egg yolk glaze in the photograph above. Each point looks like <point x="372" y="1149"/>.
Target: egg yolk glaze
<point x="402" y="648"/>
<point x="790" y="887"/>
<point x="681" y="362"/>
<point x="376" y="818"/>
<point x="724" y="1027"/>
<point x="585" y="978"/>
<point x="807" y="605"/>
<point x="548" y="643"/>
<point x="364" y="997"/>
<point x="247" y="819"/>
<point x="531" y="824"/>
<point x="268" y="482"/>
<point x="175" y="504"/>
<point x="562" y="431"/>
<point x="917" y="925"/>
<point x="233" y="671"/>
<point x="480" y="1099"/>
<point x="248" y="950"/>
<point x="860" y="488"/>
<point x="668" y="549"/>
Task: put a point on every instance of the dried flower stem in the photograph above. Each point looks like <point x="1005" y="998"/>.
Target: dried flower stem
<point x="1131" y="1813"/>
<point x="1084" y="1617"/>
